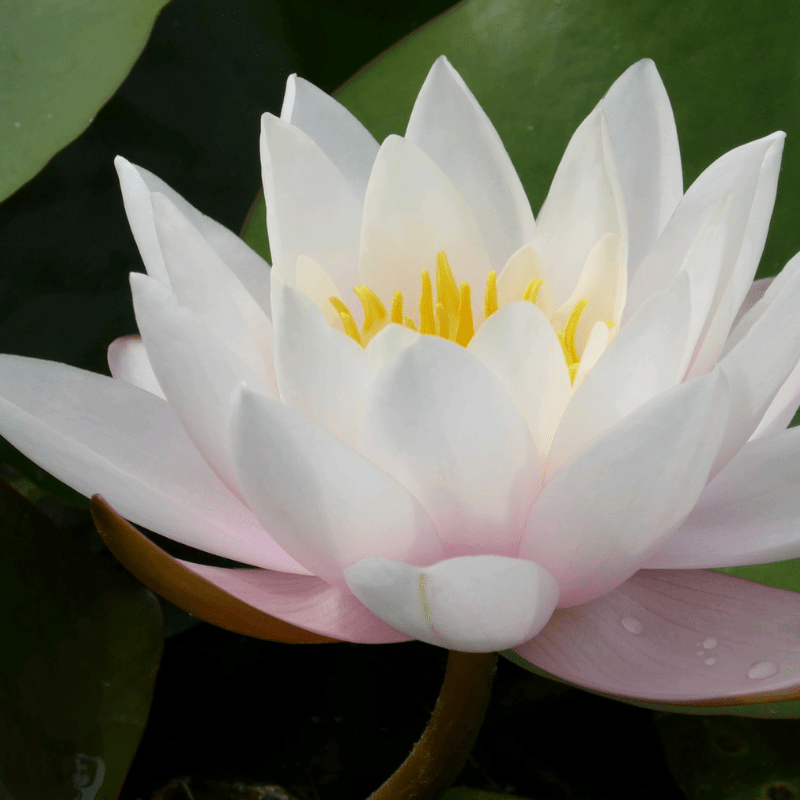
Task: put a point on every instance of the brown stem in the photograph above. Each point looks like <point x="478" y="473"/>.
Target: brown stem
<point x="441" y="753"/>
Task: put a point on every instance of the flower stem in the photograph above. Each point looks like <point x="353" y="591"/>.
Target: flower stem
<point x="441" y="753"/>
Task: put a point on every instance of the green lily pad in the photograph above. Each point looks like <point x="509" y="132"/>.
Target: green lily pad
<point x="83" y="645"/>
<point x="60" y="63"/>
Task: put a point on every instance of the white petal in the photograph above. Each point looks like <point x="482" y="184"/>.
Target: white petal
<point x="472" y="604"/>
<point x="388" y="343"/>
<point x="446" y="429"/>
<point x="128" y="361"/>
<point x="100" y="435"/>
<point x="596" y="344"/>
<point x="518" y="345"/>
<point x="523" y="267"/>
<point x="749" y="514"/>
<point x="782" y="409"/>
<point x="321" y="372"/>
<point x="640" y="363"/>
<point x="137" y="185"/>
<point x="584" y="202"/>
<point x="322" y="501"/>
<point x="645" y="141"/>
<point x="318" y="286"/>
<point x="450" y="126"/>
<point x="608" y="509"/>
<point x="312" y="209"/>
<point x="202" y="282"/>
<point x="412" y="212"/>
<point x="346" y="142"/>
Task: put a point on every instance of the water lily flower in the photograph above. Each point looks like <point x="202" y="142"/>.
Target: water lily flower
<point x="438" y="418"/>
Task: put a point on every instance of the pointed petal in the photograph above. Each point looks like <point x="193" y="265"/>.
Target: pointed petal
<point x="450" y="126"/>
<point x="645" y="141"/>
<point x="473" y="604"/>
<point x="523" y="267"/>
<point x="97" y="434"/>
<point x="446" y="429"/>
<point x="782" y="409"/>
<point x="128" y="361"/>
<point x="749" y="514"/>
<point x="587" y="530"/>
<point x="323" y="501"/>
<point x="346" y="142"/>
<point x="312" y="209"/>
<point x="754" y="294"/>
<point x="678" y="637"/>
<point x="413" y="211"/>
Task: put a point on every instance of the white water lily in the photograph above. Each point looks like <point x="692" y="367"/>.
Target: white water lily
<point x="437" y="418"/>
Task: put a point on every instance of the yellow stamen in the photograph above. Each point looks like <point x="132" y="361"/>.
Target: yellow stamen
<point x="490" y="298"/>
<point x="397" y="308"/>
<point x="532" y="290"/>
<point x="563" y="344"/>
<point x="610" y="323"/>
<point x="374" y="310"/>
<point x="465" y="330"/>
<point x="573" y="371"/>
<point x="571" y="327"/>
<point x="350" y="327"/>
<point x="446" y="288"/>
<point x="410" y="323"/>
<point x="427" y="323"/>
<point x="442" y="320"/>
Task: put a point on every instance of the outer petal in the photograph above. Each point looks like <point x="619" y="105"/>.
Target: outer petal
<point x="346" y="142"/>
<point x="128" y="361"/>
<point x="446" y="429"/>
<point x="749" y="514"/>
<point x="518" y="345"/>
<point x="413" y="211"/>
<point x="645" y="141"/>
<point x="474" y="604"/>
<point x="322" y="373"/>
<point x="97" y="434"/>
<point x="450" y="126"/>
<point x="584" y="203"/>
<point x="586" y="530"/>
<point x="324" y="502"/>
<point x="137" y="184"/>
<point x="678" y="637"/>
<point x="312" y="209"/>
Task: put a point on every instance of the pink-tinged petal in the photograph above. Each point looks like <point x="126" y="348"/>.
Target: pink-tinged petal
<point x="203" y="283"/>
<point x="738" y="173"/>
<point x="346" y="142"/>
<point x="197" y="372"/>
<point x="584" y="203"/>
<point x="413" y="211"/>
<point x="97" y="434"/>
<point x="611" y="506"/>
<point x="749" y="514"/>
<point x="645" y="141"/>
<point x="782" y="409"/>
<point x="128" y="361"/>
<point x="137" y="184"/>
<point x="450" y="126"/>
<point x="322" y="373"/>
<point x="473" y="604"/>
<point x="678" y="637"/>
<point x="518" y="345"/>
<point x="447" y="430"/>
<point x="312" y="209"/>
<point x="321" y="500"/>
<point x="627" y="375"/>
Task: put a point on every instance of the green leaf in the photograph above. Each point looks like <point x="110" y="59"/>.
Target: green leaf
<point x="59" y="63"/>
<point x="83" y="642"/>
<point x="465" y="793"/>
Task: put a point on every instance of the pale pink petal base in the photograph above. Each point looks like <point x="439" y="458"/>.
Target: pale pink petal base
<point x="678" y="637"/>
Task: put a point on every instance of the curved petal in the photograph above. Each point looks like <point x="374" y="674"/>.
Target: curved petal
<point x="783" y="407"/>
<point x="586" y="530"/>
<point x="388" y="343"/>
<point x="749" y="514"/>
<point x="518" y="345"/>
<point x="473" y="604"/>
<point x="445" y="428"/>
<point x="128" y="361"/>
<point x="324" y="502"/>
<point x="645" y="141"/>
<point x="413" y="211"/>
<point x="97" y="434"/>
<point x="450" y="126"/>
<point x="137" y="184"/>
<point x="318" y="286"/>
<point x="312" y="209"/>
<point x="346" y="142"/>
<point x="203" y="283"/>
<point x="520" y="269"/>
<point x="322" y="373"/>
<point x="678" y="637"/>
<point x="754" y="294"/>
<point x="584" y="202"/>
